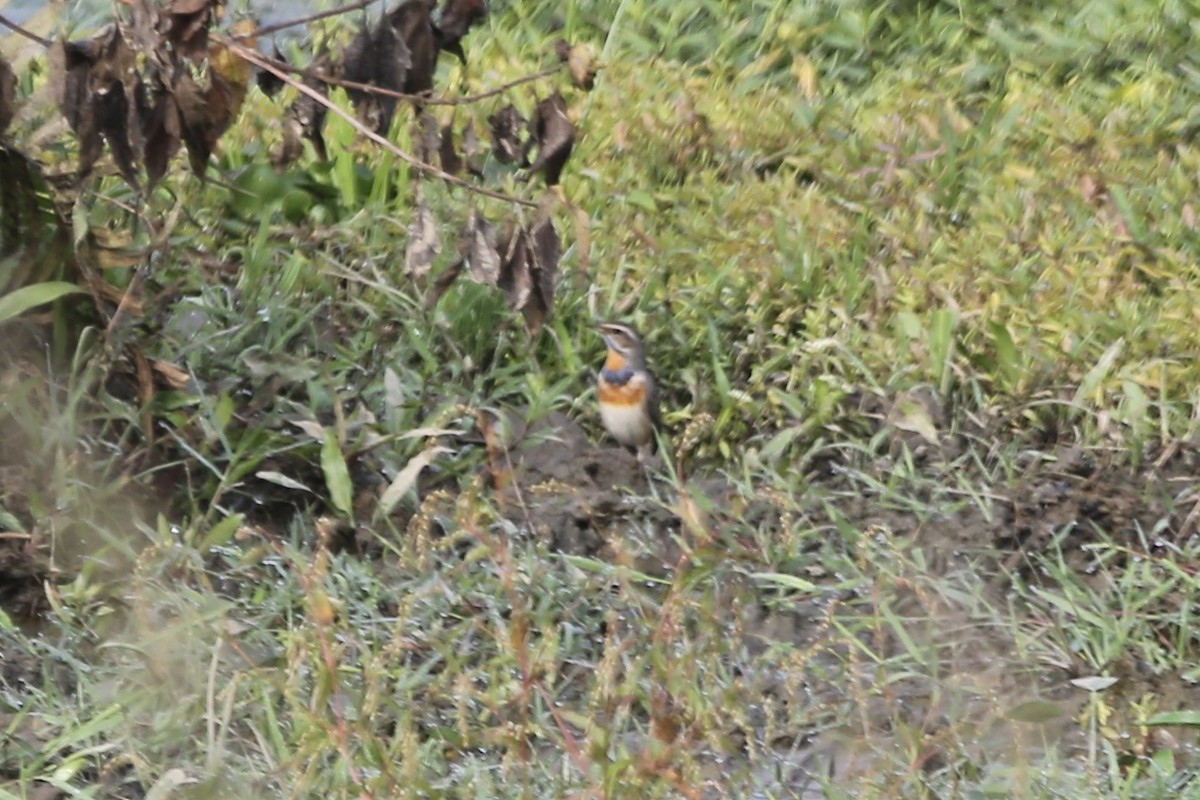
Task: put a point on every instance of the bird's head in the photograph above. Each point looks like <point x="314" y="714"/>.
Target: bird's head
<point x="624" y="345"/>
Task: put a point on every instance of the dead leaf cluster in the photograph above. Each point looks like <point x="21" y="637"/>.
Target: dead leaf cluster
<point x="522" y="263"/>
<point x="398" y="55"/>
<point x="549" y="132"/>
<point x="148" y="85"/>
<point x="155" y="81"/>
<point x="523" y="260"/>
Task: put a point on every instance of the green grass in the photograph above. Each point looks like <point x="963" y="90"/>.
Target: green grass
<point x="918" y="280"/>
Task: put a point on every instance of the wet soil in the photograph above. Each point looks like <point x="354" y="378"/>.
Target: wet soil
<point x="590" y="499"/>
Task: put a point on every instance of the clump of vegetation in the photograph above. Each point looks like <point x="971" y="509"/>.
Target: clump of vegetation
<point x="302" y="486"/>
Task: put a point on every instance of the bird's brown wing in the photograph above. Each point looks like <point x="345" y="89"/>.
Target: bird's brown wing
<point x="652" y="403"/>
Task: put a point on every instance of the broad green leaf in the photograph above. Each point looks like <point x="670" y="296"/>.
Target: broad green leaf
<point x="780" y="442"/>
<point x="263" y="364"/>
<point x="8" y="522"/>
<point x="792" y="403"/>
<point x="642" y="200"/>
<point x="908" y="325"/>
<point x="603" y="568"/>
<point x="279" y="479"/>
<point x="1008" y="357"/>
<point x="1035" y="711"/>
<point x="913" y="416"/>
<point x="337" y="475"/>
<point x="1187" y="718"/>
<point x="785" y="580"/>
<point x="220" y="534"/>
<point x="224" y="410"/>
<point x="1133" y="218"/>
<point x="16" y="303"/>
<point x="407" y="478"/>
<point x="1136" y="408"/>
<point x="1095" y="376"/>
<point x="941" y="346"/>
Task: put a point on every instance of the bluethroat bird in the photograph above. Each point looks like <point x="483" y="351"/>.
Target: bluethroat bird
<point x="628" y="393"/>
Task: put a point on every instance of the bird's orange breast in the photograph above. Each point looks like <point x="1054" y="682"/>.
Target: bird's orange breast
<point x="630" y="393"/>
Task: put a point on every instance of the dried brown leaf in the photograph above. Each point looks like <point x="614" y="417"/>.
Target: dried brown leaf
<point x="224" y="102"/>
<point x="205" y="113"/>
<point x="70" y="64"/>
<point x="97" y="89"/>
<point x="581" y="63"/>
<point x="268" y="81"/>
<point x="8" y="89"/>
<point x="447" y="154"/>
<point x="412" y="20"/>
<point x="145" y="392"/>
<point x="479" y="249"/>
<point x="171" y="376"/>
<point x="189" y="24"/>
<point x="195" y="122"/>
<point x="400" y="52"/>
<point x="471" y="149"/>
<point x="163" y="137"/>
<point x="190" y="6"/>
<point x="380" y="57"/>
<point x="506" y="125"/>
<point x="515" y="278"/>
<point x="455" y="19"/>
<point x="291" y="147"/>
<point x="120" y="104"/>
<point x="529" y="269"/>
<point x="554" y="135"/>
<point x="305" y="119"/>
<point x="143" y="27"/>
<point x="499" y="465"/>
<point x="431" y="138"/>
<point x="546" y="249"/>
<point x="423" y="244"/>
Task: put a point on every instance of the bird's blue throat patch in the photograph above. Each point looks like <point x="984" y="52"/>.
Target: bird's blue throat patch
<point x="617" y="377"/>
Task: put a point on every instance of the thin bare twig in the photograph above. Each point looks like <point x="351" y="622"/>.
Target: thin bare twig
<point x="259" y="61"/>
<point x="6" y="22"/>
<point x="291" y="23"/>
<point x="501" y="89"/>
<point x="370" y="88"/>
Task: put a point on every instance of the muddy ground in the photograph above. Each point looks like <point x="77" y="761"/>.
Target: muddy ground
<point x="586" y="499"/>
